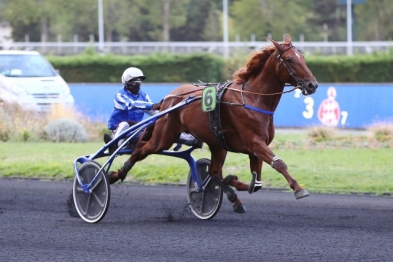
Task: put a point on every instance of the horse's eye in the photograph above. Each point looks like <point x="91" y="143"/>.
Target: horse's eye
<point x="289" y="60"/>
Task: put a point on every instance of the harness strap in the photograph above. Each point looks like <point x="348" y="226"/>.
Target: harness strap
<point x="259" y="110"/>
<point x="215" y="117"/>
<point x="266" y="112"/>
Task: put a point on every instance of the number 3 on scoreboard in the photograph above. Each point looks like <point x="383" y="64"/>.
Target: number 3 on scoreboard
<point x="309" y="107"/>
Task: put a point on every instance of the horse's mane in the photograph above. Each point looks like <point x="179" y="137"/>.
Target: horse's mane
<point x="254" y="65"/>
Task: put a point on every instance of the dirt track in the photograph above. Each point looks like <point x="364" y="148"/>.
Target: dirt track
<point x="153" y="223"/>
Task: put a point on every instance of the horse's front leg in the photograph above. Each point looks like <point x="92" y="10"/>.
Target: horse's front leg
<point x="256" y="171"/>
<point x="278" y="164"/>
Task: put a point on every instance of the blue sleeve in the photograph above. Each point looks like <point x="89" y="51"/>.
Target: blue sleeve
<point x="140" y="105"/>
<point x="122" y="102"/>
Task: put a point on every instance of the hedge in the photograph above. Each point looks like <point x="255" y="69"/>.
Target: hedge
<point x="189" y="68"/>
<point x="157" y="67"/>
<point x="373" y="68"/>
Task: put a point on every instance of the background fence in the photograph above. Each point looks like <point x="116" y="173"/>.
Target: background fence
<point x="133" y="48"/>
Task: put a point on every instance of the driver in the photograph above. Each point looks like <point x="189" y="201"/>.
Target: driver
<point x="130" y="105"/>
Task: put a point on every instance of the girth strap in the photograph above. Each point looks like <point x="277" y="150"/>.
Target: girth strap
<point x="215" y="117"/>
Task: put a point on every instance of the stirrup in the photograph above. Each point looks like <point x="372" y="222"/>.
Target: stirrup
<point x="177" y="147"/>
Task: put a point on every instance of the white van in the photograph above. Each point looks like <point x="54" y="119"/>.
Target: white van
<point x="28" y="79"/>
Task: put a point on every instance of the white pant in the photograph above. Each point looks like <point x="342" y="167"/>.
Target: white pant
<point x="120" y="129"/>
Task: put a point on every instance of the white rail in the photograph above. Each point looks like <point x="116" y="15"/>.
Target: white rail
<point x="133" y="48"/>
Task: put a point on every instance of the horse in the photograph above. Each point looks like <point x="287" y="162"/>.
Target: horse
<point x="243" y="124"/>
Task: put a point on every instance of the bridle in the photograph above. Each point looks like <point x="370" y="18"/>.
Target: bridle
<point x="299" y="84"/>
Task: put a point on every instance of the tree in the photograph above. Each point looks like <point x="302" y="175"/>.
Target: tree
<point x="374" y="20"/>
<point x="203" y="23"/>
<point x="26" y="16"/>
<point x="263" y="17"/>
<point x="156" y="19"/>
<point x="196" y="20"/>
<point x="213" y="26"/>
<point x="330" y="14"/>
<point x="77" y="18"/>
<point x="117" y="15"/>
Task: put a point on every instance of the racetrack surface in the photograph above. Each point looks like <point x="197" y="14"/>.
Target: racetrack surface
<point x="153" y="223"/>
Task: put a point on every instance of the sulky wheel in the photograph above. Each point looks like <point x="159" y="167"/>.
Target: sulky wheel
<point x="92" y="206"/>
<point x="205" y="204"/>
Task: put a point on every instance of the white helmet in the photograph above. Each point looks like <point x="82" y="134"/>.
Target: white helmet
<point x="131" y="73"/>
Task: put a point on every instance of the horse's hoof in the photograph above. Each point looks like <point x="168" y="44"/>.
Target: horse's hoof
<point x="115" y="176"/>
<point x="238" y="206"/>
<point x="112" y="177"/>
<point x="301" y="193"/>
<point x="255" y="185"/>
<point x="240" y="209"/>
<point x="256" y="188"/>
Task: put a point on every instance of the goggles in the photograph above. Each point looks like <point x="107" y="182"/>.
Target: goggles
<point x="133" y="83"/>
<point x="136" y="79"/>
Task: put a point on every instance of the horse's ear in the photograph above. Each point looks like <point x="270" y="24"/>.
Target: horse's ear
<point x="277" y="45"/>
<point x="288" y="39"/>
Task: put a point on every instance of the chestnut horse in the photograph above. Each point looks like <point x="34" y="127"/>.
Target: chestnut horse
<point x="246" y="107"/>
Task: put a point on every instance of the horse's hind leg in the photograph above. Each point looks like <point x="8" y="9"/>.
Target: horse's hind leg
<point x="217" y="161"/>
<point x="144" y="148"/>
<point x="255" y="184"/>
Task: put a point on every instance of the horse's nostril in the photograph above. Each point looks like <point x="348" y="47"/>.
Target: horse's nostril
<point x="312" y="86"/>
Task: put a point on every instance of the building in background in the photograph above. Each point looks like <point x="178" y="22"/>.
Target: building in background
<point x="5" y="35"/>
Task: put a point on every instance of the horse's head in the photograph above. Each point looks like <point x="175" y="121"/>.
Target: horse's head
<point x="292" y="68"/>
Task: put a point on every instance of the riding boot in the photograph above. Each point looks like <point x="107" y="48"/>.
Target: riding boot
<point x="189" y="140"/>
<point x="112" y="148"/>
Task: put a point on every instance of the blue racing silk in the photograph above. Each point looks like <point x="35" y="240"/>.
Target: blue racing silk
<point x="129" y="107"/>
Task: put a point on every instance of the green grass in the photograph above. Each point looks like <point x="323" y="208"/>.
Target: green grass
<point x="318" y="168"/>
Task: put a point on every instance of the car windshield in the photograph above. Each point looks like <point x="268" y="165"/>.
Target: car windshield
<point x="21" y="65"/>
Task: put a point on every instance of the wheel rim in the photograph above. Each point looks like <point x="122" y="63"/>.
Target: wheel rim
<point x="93" y="206"/>
<point x="205" y="204"/>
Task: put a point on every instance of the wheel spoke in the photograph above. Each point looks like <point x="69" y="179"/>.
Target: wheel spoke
<point x="98" y="181"/>
<point x="87" y="206"/>
<point x="100" y="203"/>
<point x="194" y="190"/>
<point x="79" y="190"/>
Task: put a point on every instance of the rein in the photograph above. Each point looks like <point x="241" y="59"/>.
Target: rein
<point x="232" y="89"/>
<point x="259" y="94"/>
<point x="182" y="94"/>
<point x="299" y="85"/>
<point x="266" y="112"/>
